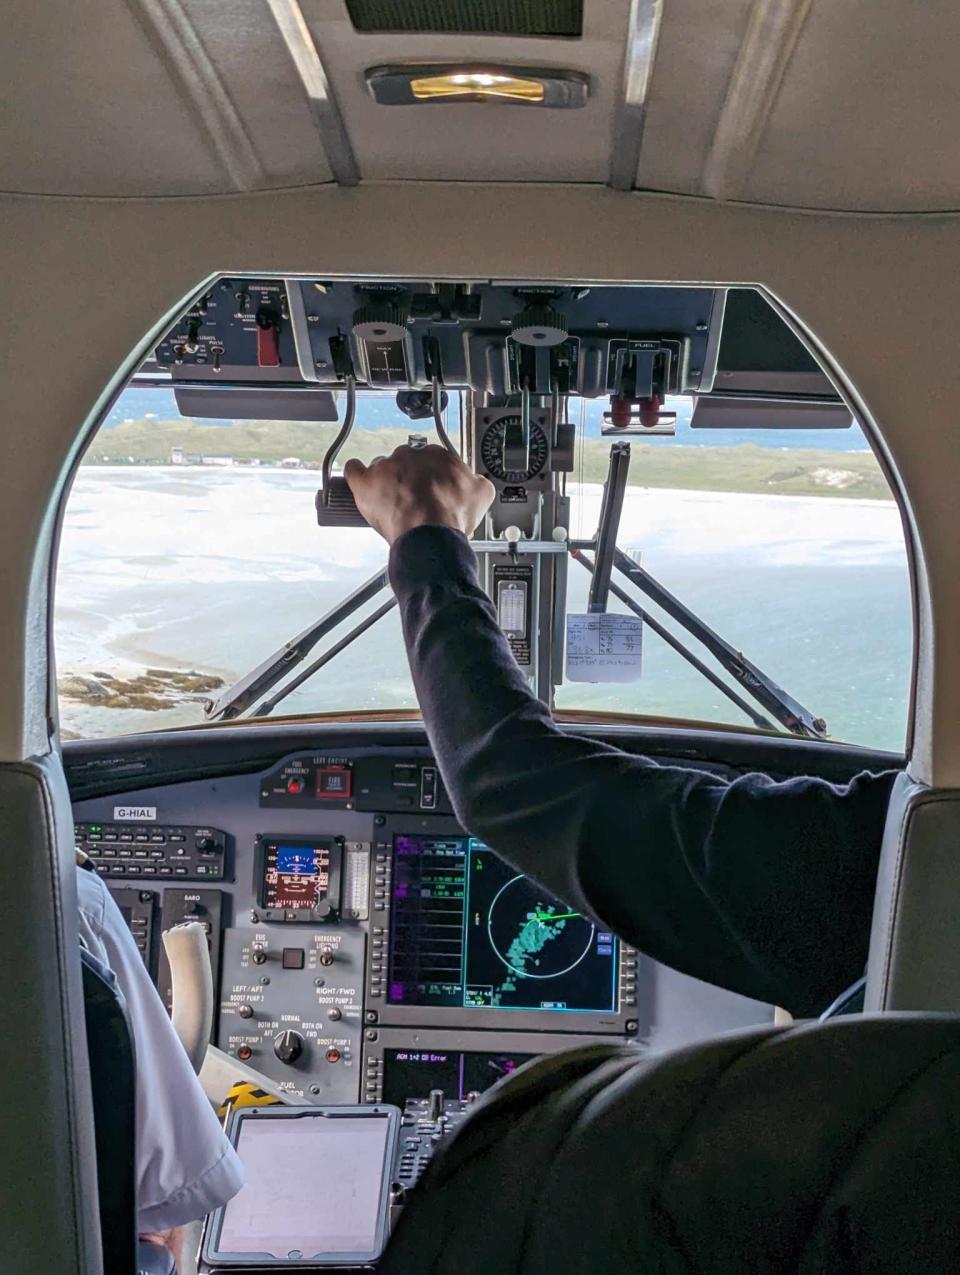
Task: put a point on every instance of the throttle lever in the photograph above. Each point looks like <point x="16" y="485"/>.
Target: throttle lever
<point x="336" y="506"/>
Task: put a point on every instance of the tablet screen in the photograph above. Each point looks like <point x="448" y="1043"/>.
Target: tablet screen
<point x="314" y="1187"/>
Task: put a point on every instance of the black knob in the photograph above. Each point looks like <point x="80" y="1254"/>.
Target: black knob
<point x="206" y="845"/>
<point x="288" y="1046"/>
<point x="245" y="1011"/>
<point x="322" y="908"/>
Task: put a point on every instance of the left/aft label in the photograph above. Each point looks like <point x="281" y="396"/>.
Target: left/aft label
<point x="134" y="814"/>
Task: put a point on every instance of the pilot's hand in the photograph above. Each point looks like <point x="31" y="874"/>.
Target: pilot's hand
<point x="417" y="487"/>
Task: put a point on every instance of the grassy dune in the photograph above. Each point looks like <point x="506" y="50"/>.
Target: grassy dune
<point x="746" y="468"/>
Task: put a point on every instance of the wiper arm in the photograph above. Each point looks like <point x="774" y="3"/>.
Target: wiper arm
<point x="788" y="711"/>
<point x="704" y="670"/>
<point x="239" y="697"/>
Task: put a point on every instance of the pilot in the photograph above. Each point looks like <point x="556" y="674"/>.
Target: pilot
<point x="762" y="887"/>
<point x="185" y="1165"/>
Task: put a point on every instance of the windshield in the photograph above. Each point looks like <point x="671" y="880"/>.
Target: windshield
<point x="190" y="552"/>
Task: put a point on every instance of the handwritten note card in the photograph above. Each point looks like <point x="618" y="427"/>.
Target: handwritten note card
<point x="604" y="648"/>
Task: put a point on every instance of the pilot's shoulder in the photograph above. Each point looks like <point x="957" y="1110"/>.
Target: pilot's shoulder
<point x="91" y="899"/>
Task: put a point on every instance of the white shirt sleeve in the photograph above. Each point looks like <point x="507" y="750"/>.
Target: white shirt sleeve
<point x="185" y="1165"/>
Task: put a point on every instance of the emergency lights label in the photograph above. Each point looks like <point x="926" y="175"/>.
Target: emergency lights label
<point x="134" y="814"/>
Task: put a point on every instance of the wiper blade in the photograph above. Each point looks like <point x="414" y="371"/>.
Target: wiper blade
<point x="704" y="670"/>
<point x="781" y="705"/>
<point x="608" y="557"/>
<point x="239" y="697"/>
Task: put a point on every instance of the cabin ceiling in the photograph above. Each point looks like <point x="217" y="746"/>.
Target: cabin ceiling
<point x="802" y="103"/>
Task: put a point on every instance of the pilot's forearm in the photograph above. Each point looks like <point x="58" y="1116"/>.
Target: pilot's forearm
<point x="512" y="776"/>
<point x="762" y="887"/>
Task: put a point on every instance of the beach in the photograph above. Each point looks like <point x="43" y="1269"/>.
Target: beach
<point x="205" y="570"/>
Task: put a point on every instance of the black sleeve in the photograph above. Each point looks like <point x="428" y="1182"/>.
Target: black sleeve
<point x="765" y="888"/>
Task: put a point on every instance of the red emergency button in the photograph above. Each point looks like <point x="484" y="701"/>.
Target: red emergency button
<point x="295" y="786"/>
<point x="268" y="345"/>
<point x="333" y="1055"/>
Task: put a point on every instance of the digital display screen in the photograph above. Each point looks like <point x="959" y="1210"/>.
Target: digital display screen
<point x="314" y="1188"/>
<point x="298" y="875"/>
<point x="412" y="1073"/>
<point x="467" y="931"/>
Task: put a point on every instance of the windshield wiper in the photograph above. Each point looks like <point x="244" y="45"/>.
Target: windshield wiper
<point x="608" y="558"/>
<point x="243" y="694"/>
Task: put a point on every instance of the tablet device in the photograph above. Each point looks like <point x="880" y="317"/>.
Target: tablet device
<point x="317" y="1191"/>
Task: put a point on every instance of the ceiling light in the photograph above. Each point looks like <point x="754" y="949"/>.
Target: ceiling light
<point x="477" y="84"/>
<point x="519" y="86"/>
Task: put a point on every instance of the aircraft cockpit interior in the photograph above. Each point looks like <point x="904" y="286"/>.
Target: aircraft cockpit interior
<point x="380" y="892"/>
<point x="366" y="951"/>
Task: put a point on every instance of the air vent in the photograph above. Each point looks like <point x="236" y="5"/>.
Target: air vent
<point x="469" y="17"/>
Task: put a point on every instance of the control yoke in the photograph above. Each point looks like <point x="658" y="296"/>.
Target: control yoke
<point x="336" y="506"/>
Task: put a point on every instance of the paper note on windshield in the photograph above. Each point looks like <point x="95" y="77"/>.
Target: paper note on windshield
<point x="604" y="648"/>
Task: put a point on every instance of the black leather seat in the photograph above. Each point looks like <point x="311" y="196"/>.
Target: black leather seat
<point x="113" y="1061"/>
<point x="818" y="1150"/>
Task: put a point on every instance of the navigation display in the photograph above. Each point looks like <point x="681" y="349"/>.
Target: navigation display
<point x="469" y="932"/>
<point x="412" y="1073"/>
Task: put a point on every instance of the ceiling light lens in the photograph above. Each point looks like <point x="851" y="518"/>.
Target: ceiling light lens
<point x="414" y="84"/>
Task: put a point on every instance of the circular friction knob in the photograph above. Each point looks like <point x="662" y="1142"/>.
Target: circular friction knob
<point x="539" y="325"/>
<point x="288" y="1046"/>
<point x="379" y="322"/>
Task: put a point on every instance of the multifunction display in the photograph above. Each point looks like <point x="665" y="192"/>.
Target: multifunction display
<point x="413" y="1073"/>
<point x="467" y="931"/>
<point x="300" y="879"/>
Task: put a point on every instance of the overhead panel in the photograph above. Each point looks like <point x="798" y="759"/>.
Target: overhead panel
<point x="95" y="112"/>
<point x="697" y="49"/>
<point x="487" y="141"/>
<point x="245" y="45"/>
<point x="868" y="111"/>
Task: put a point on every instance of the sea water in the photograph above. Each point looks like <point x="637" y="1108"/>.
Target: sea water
<point x="212" y="569"/>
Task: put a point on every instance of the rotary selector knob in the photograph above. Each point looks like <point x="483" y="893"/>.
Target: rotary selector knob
<point x="379" y="321"/>
<point x="288" y="1046"/>
<point x="539" y="325"/>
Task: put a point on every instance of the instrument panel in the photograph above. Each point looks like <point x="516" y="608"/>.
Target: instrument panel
<point x="364" y="947"/>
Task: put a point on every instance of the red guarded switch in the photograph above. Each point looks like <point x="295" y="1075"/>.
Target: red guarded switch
<point x="268" y="339"/>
